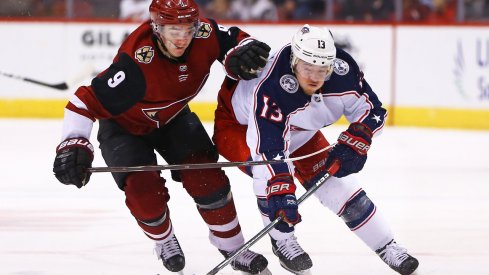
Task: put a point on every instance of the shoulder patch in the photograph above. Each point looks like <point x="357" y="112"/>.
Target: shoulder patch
<point x="340" y="67"/>
<point x="289" y="83"/>
<point x="204" y="30"/>
<point x="144" y="54"/>
<point x="121" y="86"/>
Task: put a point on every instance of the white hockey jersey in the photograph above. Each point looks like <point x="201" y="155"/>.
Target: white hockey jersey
<point x="282" y="118"/>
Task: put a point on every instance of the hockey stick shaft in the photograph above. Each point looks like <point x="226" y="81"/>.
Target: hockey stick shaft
<point x="269" y="227"/>
<point x="60" y="86"/>
<point x="125" y="169"/>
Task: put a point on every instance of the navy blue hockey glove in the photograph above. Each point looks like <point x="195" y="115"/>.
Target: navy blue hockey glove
<point x="351" y="150"/>
<point x="73" y="157"/>
<point x="247" y="60"/>
<point x="282" y="202"/>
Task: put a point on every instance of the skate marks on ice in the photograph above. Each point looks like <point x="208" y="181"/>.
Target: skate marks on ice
<point x="428" y="191"/>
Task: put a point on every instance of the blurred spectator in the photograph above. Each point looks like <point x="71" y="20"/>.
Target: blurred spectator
<point x="81" y="9"/>
<point x="416" y="10"/>
<point x="202" y="3"/>
<point x="366" y="10"/>
<point x="351" y="10"/>
<point x="441" y="11"/>
<point x="246" y="10"/>
<point x="40" y="8"/>
<point x="476" y="10"/>
<point x="300" y="9"/>
<point x="15" y="8"/>
<point x="217" y="9"/>
<point x="103" y="8"/>
<point x="381" y="10"/>
<point x="444" y="11"/>
<point x="134" y="10"/>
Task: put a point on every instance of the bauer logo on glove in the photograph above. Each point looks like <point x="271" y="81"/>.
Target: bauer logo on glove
<point x="74" y="142"/>
<point x="279" y="189"/>
<point x="346" y="138"/>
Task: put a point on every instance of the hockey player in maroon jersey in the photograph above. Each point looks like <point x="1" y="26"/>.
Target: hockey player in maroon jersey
<point x="141" y="102"/>
<point x="307" y="85"/>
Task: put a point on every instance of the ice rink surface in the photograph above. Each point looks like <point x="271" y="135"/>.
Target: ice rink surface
<point x="432" y="185"/>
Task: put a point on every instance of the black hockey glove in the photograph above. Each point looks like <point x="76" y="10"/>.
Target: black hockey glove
<point x="246" y="61"/>
<point x="351" y="150"/>
<point x="282" y="202"/>
<point x="73" y="157"/>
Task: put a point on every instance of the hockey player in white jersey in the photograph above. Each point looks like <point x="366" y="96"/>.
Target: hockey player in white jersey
<point x="305" y="86"/>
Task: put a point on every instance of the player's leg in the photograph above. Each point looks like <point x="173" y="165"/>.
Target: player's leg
<point x="230" y="139"/>
<point x="185" y="140"/>
<point x="348" y="200"/>
<point x="230" y="136"/>
<point x="146" y="194"/>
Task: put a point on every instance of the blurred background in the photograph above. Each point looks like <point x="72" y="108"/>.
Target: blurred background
<point x="362" y="11"/>
<point x="427" y="60"/>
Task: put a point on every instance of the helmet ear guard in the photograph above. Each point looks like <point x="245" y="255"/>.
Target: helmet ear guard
<point x="313" y="45"/>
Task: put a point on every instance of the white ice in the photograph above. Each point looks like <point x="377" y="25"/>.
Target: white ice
<point x="432" y="185"/>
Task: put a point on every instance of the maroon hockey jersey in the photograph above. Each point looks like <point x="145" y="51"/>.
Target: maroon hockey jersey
<point x="143" y="89"/>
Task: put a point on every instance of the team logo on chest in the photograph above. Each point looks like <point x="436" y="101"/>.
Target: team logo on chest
<point x="144" y="54"/>
<point x="154" y="114"/>
<point x="289" y="83"/>
<point x="340" y="66"/>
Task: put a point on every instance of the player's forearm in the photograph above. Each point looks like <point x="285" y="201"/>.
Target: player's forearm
<point x="76" y="125"/>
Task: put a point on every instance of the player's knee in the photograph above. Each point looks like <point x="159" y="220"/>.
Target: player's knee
<point x="357" y="211"/>
<point x="146" y="195"/>
<point x="189" y="131"/>
<point x="206" y="154"/>
<point x="337" y="192"/>
<point x="197" y="145"/>
<point x="202" y="182"/>
<point x="217" y="199"/>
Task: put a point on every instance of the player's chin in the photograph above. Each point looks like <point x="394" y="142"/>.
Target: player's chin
<point x="177" y="52"/>
<point x="308" y="90"/>
<point x="311" y="88"/>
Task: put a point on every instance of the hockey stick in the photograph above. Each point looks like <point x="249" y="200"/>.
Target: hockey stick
<point x="84" y="72"/>
<point x="60" y="86"/>
<point x="334" y="167"/>
<point x="122" y="169"/>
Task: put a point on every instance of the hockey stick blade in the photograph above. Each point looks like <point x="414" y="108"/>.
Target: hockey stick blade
<point x="333" y="169"/>
<point x="60" y="86"/>
<point x="125" y="169"/>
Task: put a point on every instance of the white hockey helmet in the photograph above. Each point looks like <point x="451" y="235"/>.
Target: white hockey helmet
<point x="313" y="45"/>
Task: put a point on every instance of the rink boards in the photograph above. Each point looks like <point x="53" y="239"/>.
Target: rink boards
<point x="433" y="76"/>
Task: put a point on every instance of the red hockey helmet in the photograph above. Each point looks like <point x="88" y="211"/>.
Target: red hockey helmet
<point x="164" y="12"/>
